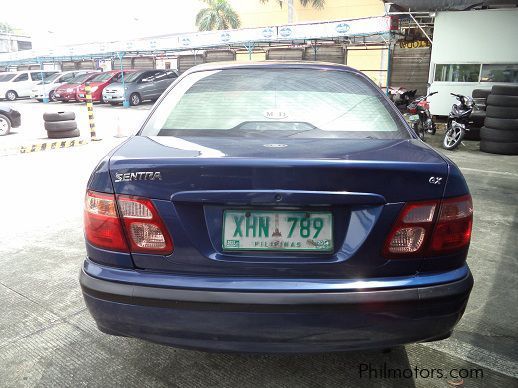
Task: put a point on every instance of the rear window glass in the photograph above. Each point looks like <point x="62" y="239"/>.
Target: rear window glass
<point x="297" y="103"/>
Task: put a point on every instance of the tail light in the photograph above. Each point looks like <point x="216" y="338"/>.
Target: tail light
<point x="102" y="225"/>
<point x="110" y="222"/>
<point x="431" y="228"/>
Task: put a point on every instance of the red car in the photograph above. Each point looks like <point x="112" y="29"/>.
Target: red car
<point x="68" y="92"/>
<point x="98" y="83"/>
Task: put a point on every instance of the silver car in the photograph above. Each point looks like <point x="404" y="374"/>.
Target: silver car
<point x="139" y="86"/>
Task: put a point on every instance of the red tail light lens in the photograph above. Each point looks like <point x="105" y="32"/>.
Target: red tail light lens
<point x="144" y="229"/>
<point x="102" y="225"/>
<point x="427" y="229"/>
<point x="453" y="229"/>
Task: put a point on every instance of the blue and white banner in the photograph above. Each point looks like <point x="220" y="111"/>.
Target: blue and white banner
<point x="202" y="40"/>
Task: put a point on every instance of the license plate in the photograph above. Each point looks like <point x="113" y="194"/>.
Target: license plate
<point x="263" y="230"/>
<point x="413" y="118"/>
<point x="82" y="96"/>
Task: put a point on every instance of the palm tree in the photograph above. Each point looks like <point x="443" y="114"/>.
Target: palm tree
<point x="317" y="4"/>
<point x="218" y="15"/>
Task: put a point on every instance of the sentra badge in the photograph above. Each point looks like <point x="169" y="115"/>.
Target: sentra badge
<point x="138" y="176"/>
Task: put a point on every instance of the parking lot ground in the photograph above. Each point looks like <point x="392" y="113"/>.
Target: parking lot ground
<point x="110" y="121"/>
<point x="48" y="339"/>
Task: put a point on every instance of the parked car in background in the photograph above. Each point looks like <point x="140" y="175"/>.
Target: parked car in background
<point x="139" y="86"/>
<point x="22" y="83"/>
<point x="98" y="83"/>
<point x="9" y="118"/>
<point x="47" y="87"/>
<point x="68" y="92"/>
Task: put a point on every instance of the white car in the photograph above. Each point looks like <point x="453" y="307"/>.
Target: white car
<point x="46" y="88"/>
<point x="21" y="83"/>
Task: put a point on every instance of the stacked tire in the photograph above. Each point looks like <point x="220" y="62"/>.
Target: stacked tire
<point x="478" y="116"/>
<point x="60" y="125"/>
<point x="499" y="135"/>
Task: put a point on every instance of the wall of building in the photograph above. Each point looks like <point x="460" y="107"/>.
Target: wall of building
<point x="255" y="14"/>
<point x="470" y="37"/>
<point x="13" y="42"/>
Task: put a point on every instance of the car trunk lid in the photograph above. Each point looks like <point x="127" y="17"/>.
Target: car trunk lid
<point x="360" y="184"/>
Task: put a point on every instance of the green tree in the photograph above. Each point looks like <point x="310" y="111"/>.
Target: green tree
<point x="317" y="4"/>
<point x="218" y="15"/>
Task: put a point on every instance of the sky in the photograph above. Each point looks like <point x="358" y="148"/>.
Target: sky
<point x="59" y="22"/>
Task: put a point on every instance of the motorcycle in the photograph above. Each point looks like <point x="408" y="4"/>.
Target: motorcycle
<point x="420" y="117"/>
<point x="458" y="121"/>
<point x="401" y="97"/>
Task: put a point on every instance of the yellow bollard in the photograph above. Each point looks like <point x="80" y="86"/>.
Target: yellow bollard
<point x="90" y="108"/>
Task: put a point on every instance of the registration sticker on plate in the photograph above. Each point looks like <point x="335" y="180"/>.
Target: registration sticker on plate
<point x="277" y="230"/>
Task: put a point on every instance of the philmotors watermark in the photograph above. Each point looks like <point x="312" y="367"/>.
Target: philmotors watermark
<point x="370" y="371"/>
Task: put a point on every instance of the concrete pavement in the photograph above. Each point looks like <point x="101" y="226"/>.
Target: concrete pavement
<point x="48" y="339"/>
<point x="110" y="121"/>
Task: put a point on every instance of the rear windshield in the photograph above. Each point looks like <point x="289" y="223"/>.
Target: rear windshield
<point x="296" y="103"/>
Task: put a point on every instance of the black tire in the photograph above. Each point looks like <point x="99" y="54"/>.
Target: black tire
<point x="472" y="134"/>
<point x="505" y="90"/>
<point x="501" y="123"/>
<point x="52" y="97"/>
<point x="499" y="135"/>
<point x="11" y="95"/>
<point x="135" y="99"/>
<point x="453" y="137"/>
<point x="478" y="118"/>
<point x="502" y="112"/>
<point x="59" y="126"/>
<point x="494" y="147"/>
<point x="62" y="134"/>
<point x="480" y="93"/>
<point x="5" y="125"/>
<point x="418" y="129"/>
<point x="59" y="116"/>
<point x="498" y="100"/>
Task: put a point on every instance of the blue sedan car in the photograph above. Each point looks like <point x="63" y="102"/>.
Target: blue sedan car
<point x="276" y="207"/>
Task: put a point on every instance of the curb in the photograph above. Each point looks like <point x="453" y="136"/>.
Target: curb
<point x="44" y="146"/>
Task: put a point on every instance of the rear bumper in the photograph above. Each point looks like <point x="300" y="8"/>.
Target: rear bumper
<point x="282" y="321"/>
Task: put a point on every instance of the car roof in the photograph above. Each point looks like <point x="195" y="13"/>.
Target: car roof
<point x="272" y="65"/>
